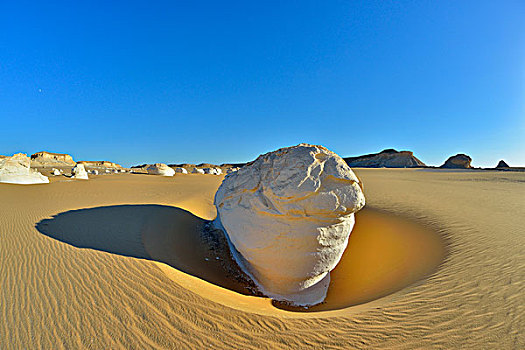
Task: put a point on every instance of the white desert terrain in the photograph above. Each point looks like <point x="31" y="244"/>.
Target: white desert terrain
<point x="435" y="260"/>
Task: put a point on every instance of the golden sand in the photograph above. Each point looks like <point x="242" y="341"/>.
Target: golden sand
<point x="123" y="291"/>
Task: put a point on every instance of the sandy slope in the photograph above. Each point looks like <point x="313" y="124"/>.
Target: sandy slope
<point x="57" y="295"/>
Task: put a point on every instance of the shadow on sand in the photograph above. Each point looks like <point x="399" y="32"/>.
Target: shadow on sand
<point x="155" y="232"/>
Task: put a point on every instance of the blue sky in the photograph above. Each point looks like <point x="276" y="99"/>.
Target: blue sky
<point x="208" y="81"/>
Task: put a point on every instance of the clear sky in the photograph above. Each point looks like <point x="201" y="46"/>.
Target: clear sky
<point x="223" y="81"/>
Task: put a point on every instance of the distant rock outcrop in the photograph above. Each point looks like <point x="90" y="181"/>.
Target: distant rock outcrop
<point x="181" y="171"/>
<point x="51" y="159"/>
<point x="17" y="170"/>
<point x="388" y="158"/>
<point x="160" y="169"/>
<point x="459" y="161"/>
<point x="100" y="164"/>
<point x="502" y="164"/>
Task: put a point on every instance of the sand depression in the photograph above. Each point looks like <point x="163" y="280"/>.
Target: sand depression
<point x="384" y="254"/>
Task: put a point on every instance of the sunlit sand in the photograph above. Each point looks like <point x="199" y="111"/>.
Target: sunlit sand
<point x="435" y="260"/>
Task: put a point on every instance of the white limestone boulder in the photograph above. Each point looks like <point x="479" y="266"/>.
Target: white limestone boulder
<point x="17" y="170"/>
<point x="181" y="171"/>
<point x="288" y="216"/>
<point x="160" y="169"/>
<point x="218" y="171"/>
<point x="79" y="172"/>
<point x="56" y="172"/>
<point x="208" y="170"/>
<point x="197" y="171"/>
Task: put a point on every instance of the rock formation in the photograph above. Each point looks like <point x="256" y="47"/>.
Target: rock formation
<point x="79" y="172"/>
<point x="160" y="169"/>
<point x="56" y="172"/>
<point x="17" y="170"/>
<point x="288" y="216"/>
<point x="459" y="161"/>
<point x="45" y="159"/>
<point x="388" y="158"/>
<point x="197" y="171"/>
<point x="181" y="171"/>
<point x="100" y="164"/>
<point x="502" y="164"/>
<point x="218" y="171"/>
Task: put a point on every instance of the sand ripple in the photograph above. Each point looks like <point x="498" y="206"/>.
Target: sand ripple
<point x="55" y="295"/>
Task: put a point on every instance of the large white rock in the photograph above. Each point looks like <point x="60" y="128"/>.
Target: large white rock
<point x="181" y="171"/>
<point x="288" y="216"/>
<point x="197" y="171"/>
<point x="160" y="169"/>
<point x="79" y="172"/>
<point x="56" y="172"/>
<point x="17" y="170"/>
<point x="218" y="171"/>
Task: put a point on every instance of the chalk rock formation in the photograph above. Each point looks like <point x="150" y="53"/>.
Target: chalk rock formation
<point x="17" y="170"/>
<point x="181" y="170"/>
<point x="197" y="171"/>
<point x="79" y="172"/>
<point x="160" y="169"/>
<point x="388" y="158"/>
<point x="208" y="170"/>
<point x="502" y="164"/>
<point x="459" y="161"/>
<point x="288" y="216"/>
<point x="56" y="172"/>
<point x="218" y="171"/>
<point x="44" y="159"/>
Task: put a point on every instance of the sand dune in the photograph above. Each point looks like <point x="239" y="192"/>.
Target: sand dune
<point x="92" y="265"/>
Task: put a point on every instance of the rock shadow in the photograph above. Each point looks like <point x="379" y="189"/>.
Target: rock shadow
<point x="161" y="233"/>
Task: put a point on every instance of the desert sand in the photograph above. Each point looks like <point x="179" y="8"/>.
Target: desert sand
<point x="436" y="260"/>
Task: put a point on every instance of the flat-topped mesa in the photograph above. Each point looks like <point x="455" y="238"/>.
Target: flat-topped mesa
<point x="459" y="161"/>
<point x="100" y="164"/>
<point x="17" y="170"/>
<point x="47" y="158"/>
<point x="388" y="158"/>
<point x="160" y="169"/>
<point x="288" y="216"/>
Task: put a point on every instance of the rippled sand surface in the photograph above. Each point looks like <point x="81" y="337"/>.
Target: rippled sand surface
<point x="95" y="281"/>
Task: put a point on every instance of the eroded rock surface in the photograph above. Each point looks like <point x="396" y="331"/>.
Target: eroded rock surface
<point x="388" y="158"/>
<point x="79" y="172"/>
<point x="46" y="159"/>
<point x="288" y="216"/>
<point x="17" y="170"/>
<point x="160" y="169"/>
<point x="502" y="164"/>
<point x="459" y="161"/>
